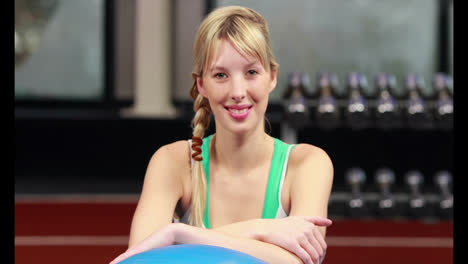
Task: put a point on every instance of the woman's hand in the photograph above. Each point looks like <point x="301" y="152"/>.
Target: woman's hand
<point x="297" y="234"/>
<point x="161" y="238"/>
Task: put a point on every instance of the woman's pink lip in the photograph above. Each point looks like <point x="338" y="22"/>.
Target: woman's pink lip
<point x="239" y="116"/>
<point x="237" y="107"/>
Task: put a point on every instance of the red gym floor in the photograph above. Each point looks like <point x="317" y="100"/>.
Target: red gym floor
<point x="77" y="229"/>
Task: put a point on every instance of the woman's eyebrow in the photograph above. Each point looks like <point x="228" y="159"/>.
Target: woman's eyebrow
<point x="253" y="63"/>
<point x="222" y="68"/>
<point x="217" y="68"/>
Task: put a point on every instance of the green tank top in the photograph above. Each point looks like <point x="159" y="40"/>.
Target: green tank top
<point x="277" y="170"/>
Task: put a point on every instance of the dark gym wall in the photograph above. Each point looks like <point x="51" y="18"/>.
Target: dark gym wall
<point x="112" y="148"/>
<point x="400" y="150"/>
<point x="90" y="149"/>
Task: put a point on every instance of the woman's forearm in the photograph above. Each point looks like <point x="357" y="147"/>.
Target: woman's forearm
<point x="256" y="228"/>
<point x="272" y="240"/>
<point x="247" y="229"/>
<point x="185" y="234"/>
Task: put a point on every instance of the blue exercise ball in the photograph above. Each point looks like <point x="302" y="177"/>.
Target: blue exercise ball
<point x="193" y="254"/>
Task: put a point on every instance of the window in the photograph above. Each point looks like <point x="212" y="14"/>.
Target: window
<point x="73" y="53"/>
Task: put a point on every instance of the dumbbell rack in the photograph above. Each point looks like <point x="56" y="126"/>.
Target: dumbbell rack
<point x="403" y="122"/>
<point x="417" y="239"/>
<point x="338" y="200"/>
<point x="376" y="237"/>
<point x="331" y="105"/>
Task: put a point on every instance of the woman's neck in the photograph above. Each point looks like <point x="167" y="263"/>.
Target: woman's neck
<point x="241" y="152"/>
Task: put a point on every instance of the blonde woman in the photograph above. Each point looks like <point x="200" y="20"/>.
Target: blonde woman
<point x="238" y="188"/>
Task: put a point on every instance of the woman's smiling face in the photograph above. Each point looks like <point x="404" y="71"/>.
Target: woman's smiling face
<point x="237" y="88"/>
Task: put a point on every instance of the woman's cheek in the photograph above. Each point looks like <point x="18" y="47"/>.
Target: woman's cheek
<point x="261" y="95"/>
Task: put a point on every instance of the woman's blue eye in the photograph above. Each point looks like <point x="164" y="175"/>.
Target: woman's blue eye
<point x="252" y="72"/>
<point x="220" y="75"/>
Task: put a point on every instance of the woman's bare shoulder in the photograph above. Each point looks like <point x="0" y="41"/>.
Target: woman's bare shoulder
<point x="162" y="189"/>
<point x="173" y="159"/>
<point x="308" y="157"/>
<point x="174" y="154"/>
<point x="305" y="152"/>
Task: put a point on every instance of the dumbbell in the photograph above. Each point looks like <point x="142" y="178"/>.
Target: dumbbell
<point x="296" y="107"/>
<point x="356" y="205"/>
<point x="384" y="179"/>
<point x="388" y="114"/>
<point x="442" y="84"/>
<point x="328" y="113"/>
<point x="417" y="206"/>
<point x="357" y="110"/>
<point x="443" y="180"/>
<point x="417" y="112"/>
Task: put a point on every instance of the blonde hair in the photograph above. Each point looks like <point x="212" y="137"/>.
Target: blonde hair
<point x="248" y="31"/>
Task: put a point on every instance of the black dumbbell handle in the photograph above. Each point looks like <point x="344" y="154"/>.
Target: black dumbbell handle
<point x="445" y="191"/>
<point x="355" y="178"/>
<point x="385" y="179"/>
<point x="356" y="190"/>
<point x="414" y="179"/>
<point x="443" y="180"/>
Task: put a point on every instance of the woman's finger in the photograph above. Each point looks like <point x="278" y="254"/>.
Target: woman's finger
<point x="303" y="254"/>
<point x="320" y="221"/>
<point x="320" y="238"/>
<point x="310" y="249"/>
<point x="130" y="252"/>
<point x="315" y="244"/>
<point x="120" y="258"/>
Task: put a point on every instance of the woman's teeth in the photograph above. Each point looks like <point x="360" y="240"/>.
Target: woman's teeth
<point x="238" y="111"/>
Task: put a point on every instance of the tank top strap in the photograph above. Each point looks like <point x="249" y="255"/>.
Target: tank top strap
<point x="279" y="164"/>
<point x="206" y="166"/>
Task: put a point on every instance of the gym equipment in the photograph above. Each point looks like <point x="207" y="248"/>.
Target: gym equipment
<point x="296" y="108"/>
<point x="388" y="114"/>
<point x="357" y="111"/>
<point x="417" y="204"/>
<point x="327" y="114"/>
<point x="443" y="180"/>
<point x="385" y="178"/>
<point x="417" y="113"/>
<point x="356" y="205"/>
<point x="442" y="84"/>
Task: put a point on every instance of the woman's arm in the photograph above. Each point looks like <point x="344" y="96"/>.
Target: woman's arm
<point x="179" y="233"/>
<point x="311" y="171"/>
<point x="272" y="254"/>
<point x="272" y="240"/>
<point x="310" y="190"/>
<point x="259" y="228"/>
<point x="297" y="234"/>
<point x="162" y="188"/>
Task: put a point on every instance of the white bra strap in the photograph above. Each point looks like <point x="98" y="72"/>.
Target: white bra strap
<point x="283" y="175"/>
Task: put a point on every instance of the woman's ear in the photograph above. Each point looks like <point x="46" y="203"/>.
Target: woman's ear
<point x="200" y="87"/>
<point x="273" y="78"/>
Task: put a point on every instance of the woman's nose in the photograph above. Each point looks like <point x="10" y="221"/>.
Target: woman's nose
<point x="238" y="90"/>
